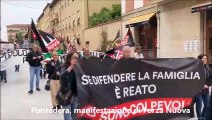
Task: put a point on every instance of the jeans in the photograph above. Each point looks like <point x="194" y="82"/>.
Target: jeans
<point x="71" y="108"/>
<point x="34" y="71"/>
<point x="3" y="75"/>
<point x="205" y="98"/>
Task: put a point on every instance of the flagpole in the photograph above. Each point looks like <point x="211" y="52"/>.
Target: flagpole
<point x="39" y="37"/>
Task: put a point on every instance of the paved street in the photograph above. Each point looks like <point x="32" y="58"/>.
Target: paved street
<point x="15" y="101"/>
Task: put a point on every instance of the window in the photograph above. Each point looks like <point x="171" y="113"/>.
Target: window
<point x="78" y="21"/>
<point x="73" y="23"/>
<point x="78" y="14"/>
<point x="87" y="43"/>
<point x="72" y="0"/>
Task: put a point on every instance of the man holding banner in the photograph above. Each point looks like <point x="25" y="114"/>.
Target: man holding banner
<point x="34" y="58"/>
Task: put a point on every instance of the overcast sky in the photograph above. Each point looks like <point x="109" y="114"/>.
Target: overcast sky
<point x="19" y="12"/>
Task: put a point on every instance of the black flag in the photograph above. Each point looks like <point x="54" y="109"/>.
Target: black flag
<point x="38" y="37"/>
<point x="47" y="41"/>
<point x="128" y="39"/>
<point x="118" y="37"/>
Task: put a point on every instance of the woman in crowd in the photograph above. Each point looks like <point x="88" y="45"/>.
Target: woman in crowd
<point x="204" y="95"/>
<point x="68" y="79"/>
<point x="53" y="70"/>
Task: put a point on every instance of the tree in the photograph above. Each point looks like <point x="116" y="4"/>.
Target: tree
<point x="105" y="15"/>
<point x="116" y="11"/>
<point x="20" y="37"/>
<point x="10" y="38"/>
<point x="104" y="39"/>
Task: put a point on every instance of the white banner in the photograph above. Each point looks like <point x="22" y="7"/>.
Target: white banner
<point x="18" y="56"/>
<point x="12" y="58"/>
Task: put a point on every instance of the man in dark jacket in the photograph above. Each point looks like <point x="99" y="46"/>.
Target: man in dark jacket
<point x="53" y="71"/>
<point x="204" y="95"/>
<point x="34" y="58"/>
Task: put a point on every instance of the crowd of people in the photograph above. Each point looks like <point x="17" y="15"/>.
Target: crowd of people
<point x="62" y="77"/>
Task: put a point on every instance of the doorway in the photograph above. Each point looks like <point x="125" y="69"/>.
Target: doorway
<point x="148" y="38"/>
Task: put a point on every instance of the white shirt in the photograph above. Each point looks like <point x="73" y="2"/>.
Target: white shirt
<point x="138" y="55"/>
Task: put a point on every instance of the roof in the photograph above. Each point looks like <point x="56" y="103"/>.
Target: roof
<point x="53" y="3"/>
<point x="19" y="25"/>
<point x="41" y="15"/>
<point x="46" y="6"/>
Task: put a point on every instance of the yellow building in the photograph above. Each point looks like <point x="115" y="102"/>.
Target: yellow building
<point x="14" y="29"/>
<point x="69" y="18"/>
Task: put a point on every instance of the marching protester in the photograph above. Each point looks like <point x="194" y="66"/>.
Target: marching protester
<point x="86" y="53"/>
<point x="69" y="47"/>
<point x="16" y="45"/>
<point x="17" y="68"/>
<point x="3" y="75"/>
<point x="138" y="54"/>
<point x="204" y="95"/>
<point x="53" y="70"/>
<point x="34" y="59"/>
<point x="126" y="52"/>
<point x="3" y="70"/>
<point x="68" y="82"/>
<point x="42" y="70"/>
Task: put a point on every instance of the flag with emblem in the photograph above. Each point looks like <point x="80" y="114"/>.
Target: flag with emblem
<point x="128" y="39"/>
<point x="47" y="41"/>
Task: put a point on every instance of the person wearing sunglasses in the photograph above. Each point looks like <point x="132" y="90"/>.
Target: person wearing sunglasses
<point x="67" y="79"/>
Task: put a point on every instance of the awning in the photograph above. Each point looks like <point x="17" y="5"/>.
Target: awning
<point x="202" y="7"/>
<point x="141" y="18"/>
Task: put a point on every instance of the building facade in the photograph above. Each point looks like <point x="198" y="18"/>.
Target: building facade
<point x="14" y="29"/>
<point x="95" y="35"/>
<point x="169" y="28"/>
<point x="69" y="18"/>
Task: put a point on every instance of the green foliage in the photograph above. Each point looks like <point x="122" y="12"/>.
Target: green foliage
<point x="10" y="38"/>
<point x="105" y="15"/>
<point x="20" y="37"/>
